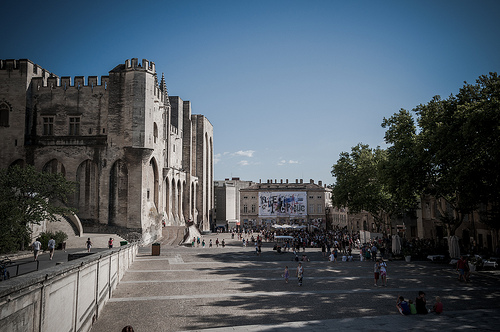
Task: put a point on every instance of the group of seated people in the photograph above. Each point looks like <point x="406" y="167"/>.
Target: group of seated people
<point x="419" y="307"/>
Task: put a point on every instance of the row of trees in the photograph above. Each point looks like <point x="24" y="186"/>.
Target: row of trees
<point x="29" y="197"/>
<point x="448" y="149"/>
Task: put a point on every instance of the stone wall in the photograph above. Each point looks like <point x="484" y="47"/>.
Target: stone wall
<point x="137" y="155"/>
<point x="68" y="297"/>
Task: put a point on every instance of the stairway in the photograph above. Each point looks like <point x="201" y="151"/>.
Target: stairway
<point x="172" y="235"/>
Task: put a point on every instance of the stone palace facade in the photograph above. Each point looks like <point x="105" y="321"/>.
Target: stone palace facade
<point x="138" y="155"/>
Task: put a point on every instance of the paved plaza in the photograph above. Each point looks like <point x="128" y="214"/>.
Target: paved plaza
<point x="233" y="289"/>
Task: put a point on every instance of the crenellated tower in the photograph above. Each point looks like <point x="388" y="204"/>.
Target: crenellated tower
<point x="128" y="145"/>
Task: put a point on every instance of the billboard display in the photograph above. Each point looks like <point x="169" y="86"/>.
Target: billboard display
<point x="283" y="204"/>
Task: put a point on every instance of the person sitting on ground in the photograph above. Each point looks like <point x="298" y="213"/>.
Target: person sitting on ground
<point x="420" y="303"/>
<point x="413" y="309"/>
<point x="403" y="306"/>
<point x="438" y="306"/>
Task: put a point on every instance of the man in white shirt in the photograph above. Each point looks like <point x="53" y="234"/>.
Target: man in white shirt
<point x="52" y="246"/>
<point x="36" y="248"/>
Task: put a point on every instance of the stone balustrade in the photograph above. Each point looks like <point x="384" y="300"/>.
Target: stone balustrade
<point x="67" y="297"/>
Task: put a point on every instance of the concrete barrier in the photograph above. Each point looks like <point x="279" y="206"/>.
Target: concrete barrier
<point x="67" y="297"/>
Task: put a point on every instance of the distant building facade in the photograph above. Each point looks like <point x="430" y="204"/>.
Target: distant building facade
<point x="227" y="202"/>
<point x="299" y="203"/>
<point x="138" y="156"/>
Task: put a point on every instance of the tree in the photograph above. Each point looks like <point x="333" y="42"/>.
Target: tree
<point x="29" y="197"/>
<point x="359" y="185"/>
<point x="402" y="170"/>
<point x="454" y="153"/>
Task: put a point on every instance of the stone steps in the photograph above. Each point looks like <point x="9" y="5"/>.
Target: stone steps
<point x="172" y="235"/>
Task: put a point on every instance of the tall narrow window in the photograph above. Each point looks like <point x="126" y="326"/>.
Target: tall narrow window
<point x="74" y="126"/>
<point x="245" y="208"/>
<point x="253" y="208"/>
<point x="4" y="115"/>
<point x="155" y="132"/>
<point x="48" y="126"/>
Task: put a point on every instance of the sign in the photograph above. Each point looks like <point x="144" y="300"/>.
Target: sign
<point x="283" y="204"/>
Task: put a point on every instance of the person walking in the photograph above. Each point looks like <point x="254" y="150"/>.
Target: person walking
<point x="51" y="246"/>
<point x="88" y="244"/>
<point x="376" y="272"/>
<point x="286" y="274"/>
<point x="383" y="272"/>
<point x="37" y="246"/>
<point x="300" y="274"/>
<point x="110" y="243"/>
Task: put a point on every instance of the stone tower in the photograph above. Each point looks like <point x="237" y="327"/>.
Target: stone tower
<point x="138" y="156"/>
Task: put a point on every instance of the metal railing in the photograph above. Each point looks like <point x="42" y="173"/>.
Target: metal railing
<point x="18" y="268"/>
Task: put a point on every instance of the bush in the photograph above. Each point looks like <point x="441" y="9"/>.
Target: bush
<point x="59" y="237"/>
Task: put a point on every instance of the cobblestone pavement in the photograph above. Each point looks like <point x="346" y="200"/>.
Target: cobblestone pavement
<point x="233" y="289"/>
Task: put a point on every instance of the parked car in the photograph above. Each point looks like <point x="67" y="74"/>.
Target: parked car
<point x="492" y="262"/>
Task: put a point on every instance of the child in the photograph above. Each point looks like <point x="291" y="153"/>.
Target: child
<point x="438" y="306"/>
<point x="383" y="272"/>
<point x="413" y="309"/>
<point x="89" y="244"/>
<point x="376" y="272"/>
<point x="402" y="305"/>
<point x="286" y="275"/>
<point x="300" y="273"/>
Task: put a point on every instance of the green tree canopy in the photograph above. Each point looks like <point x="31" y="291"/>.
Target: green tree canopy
<point x="359" y="185"/>
<point x="454" y="152"/>
<point x="29" y="197"/>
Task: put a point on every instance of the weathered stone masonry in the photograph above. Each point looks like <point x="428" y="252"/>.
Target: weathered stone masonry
<point x="137" y="154"/>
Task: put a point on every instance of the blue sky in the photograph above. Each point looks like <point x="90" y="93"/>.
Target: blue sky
<point x="287" y="85"/>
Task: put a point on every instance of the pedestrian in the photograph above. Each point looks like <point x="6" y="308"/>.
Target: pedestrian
<point x="374" y="252"/>
<point x="210" y="244"/>
<point x="383" y="272"/>
<point x="51" y="246"/>
<point x="37" y="245"/>
<point x="203" y="243"/>
<point x="89" y="244"/>
<point x="286" y="274"/>
<point x="420" y="303"/>
<point x="461" y="267"/>
<point x="300" y="274"/>
<point x="217" y="243"/>
<point x="376" y="272"/>
<point x="223" y="243"/>
<point x="110" y="243"/>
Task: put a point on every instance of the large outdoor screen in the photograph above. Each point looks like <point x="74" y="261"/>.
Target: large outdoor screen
<point x="283" y="204"/>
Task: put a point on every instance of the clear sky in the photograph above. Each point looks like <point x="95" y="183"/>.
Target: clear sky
<point x="287" y="85"/>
